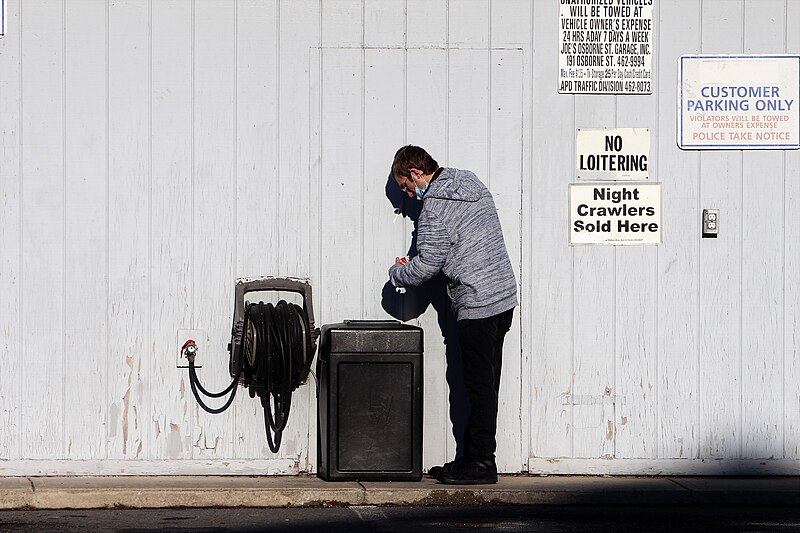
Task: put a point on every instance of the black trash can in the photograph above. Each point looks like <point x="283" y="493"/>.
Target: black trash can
<point x="369" y="409"/>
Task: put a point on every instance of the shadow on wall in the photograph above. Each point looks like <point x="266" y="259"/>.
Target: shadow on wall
<point x="416" y="300"/>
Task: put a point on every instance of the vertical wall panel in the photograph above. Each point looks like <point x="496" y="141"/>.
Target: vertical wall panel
<point x="257" y="132"/>
<point x="341" y="224"/>
<point x="42" y="306"/>
<point x="636" y="326"/>
<point x="720" y="311"/>
<point x="593" y="392"/>
<point x="511" y="27"/>
<point x="171" y="244"/>
<point x="593" y="386"/>
<point x="426" y="126"/>
<point x="469" y="23"/>
<point x="636" y="352"/>
<point x="11" y="335"/>
<point x="426" y="23"/>
<point x="384" y="112"/>
<point x="342" y="23"/>
<point x="298" y="189"/>
<point x="214" y="179"/>
<point x="129" y="228"/>
<point x="511" y="24"/>
<point x="720" y="266"/>
<point x="86" y="231"/>
<point x="762" y="252"/>
<point x="505" y="170"/>
<point x="551" y="271"/>
<point x="300" y="183"/>
<point x="427" y="96"/>
<point x="257" y="181"/>
<point x="678" y="306"/>
<point x="384" y="23"/>
<point x="341" y="250"/>
<point x="468" y="104"/>
<point x="791" y="295"/>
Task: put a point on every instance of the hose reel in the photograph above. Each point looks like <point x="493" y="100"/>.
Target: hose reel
<point x="271" y="351"/>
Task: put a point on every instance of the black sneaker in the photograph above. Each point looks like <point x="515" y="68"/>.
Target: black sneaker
<point x="436" y="471"/>
<point x="474" y="472"/>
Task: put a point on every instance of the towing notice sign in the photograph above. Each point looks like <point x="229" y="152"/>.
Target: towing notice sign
<point x="615" y="214"/>
<point x="605" y="47"/>
<point x="739" y="102"/>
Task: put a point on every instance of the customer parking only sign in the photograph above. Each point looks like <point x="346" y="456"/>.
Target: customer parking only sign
<point x="739" y="102"/>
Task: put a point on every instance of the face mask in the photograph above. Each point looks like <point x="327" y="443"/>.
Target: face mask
<point x="421" y="192"/>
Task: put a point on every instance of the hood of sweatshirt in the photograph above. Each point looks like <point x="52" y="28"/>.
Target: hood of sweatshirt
<point x="455" y="184"/>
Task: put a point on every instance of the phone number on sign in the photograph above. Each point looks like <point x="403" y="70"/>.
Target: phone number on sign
<point x="637" y="87"/>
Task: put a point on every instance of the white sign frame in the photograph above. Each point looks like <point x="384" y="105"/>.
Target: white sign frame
<point x="737" y="87"/>
<point x="612" y="154"/>
<point x="636" y="206"/>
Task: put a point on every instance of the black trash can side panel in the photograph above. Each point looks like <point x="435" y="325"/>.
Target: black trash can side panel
<point x="373" y="412"/>
<point x="375" y="405"/>
<point x="323" y="458"/>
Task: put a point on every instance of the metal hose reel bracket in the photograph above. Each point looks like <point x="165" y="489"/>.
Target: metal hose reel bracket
<point x="271" y="351"/>
<point x="248" y="339"/>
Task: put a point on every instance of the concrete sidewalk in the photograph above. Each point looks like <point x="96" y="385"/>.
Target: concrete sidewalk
<point x="219" y="491"/>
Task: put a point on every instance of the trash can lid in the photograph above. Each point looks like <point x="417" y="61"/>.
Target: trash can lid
<point x="370" y="336"/>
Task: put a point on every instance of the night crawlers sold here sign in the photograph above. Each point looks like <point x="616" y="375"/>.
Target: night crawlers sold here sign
<point x="615" y="214"/>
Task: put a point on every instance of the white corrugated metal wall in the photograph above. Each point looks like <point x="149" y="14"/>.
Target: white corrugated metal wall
<point x="151" y="151"/>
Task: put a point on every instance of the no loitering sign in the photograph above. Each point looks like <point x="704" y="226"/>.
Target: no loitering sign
<point x="615" y="214"/>
<point x="612" y="154"/>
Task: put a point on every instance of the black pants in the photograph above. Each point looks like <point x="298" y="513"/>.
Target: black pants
<point x="482" y="357"/>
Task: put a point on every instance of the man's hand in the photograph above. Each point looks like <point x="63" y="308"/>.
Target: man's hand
<point x="400" y="260"/>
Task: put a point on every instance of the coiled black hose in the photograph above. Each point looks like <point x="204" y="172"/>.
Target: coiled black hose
<point x="275" y="357"/>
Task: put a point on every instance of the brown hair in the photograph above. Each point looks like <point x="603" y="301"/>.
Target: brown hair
<point x="409" y="157"/>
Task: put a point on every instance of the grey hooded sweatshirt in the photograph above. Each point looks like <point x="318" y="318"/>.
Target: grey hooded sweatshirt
<point x="459" y="233"/>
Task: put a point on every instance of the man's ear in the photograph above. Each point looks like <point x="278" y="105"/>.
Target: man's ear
<point x="415" y="173"/>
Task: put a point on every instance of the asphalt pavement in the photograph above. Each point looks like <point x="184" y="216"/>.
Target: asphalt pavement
<point x="378" y="519"/>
